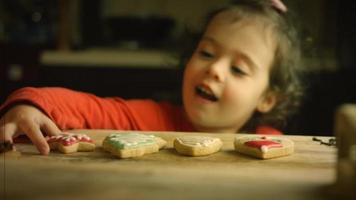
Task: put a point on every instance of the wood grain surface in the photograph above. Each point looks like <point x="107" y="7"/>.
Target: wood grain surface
<point x="309" y="173"/>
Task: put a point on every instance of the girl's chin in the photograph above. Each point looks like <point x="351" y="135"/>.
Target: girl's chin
<point x="203" y="119"/>
<point x="200" y="100"/>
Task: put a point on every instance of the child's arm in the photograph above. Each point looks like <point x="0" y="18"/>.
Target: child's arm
<point x="74" y="110"/>
<point x="70" y="109"/>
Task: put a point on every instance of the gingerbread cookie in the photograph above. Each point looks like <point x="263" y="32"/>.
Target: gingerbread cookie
<point x="264" y="147"/>
<point x="70" y="142"/>
<point x="128" y="145"/>
<point x="197" y="145"/>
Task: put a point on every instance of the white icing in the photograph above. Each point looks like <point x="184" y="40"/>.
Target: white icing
<point x="264" y="148"/>
<point x="200" y="141"/>
<point x="131" y="139"/>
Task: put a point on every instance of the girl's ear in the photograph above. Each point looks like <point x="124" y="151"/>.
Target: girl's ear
<point x="267" y="102"/>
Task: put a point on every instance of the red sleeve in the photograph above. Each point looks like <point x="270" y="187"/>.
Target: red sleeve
<point x="267" y="130"/>
<point x="78" y="110"/>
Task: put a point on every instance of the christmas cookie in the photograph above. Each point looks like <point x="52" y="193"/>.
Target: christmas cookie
<point x="264" y="147"/>
<point x="127" y="145"/>
<point x="69" y="143"/>
<point x="197" y="145"/>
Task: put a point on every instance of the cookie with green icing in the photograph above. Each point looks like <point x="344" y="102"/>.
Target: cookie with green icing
<point x="126" y="145"/>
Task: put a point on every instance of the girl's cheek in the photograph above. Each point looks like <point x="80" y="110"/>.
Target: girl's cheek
<point x="228" y="94"/>
<point x="188" y="72"/>
<point x="232" y="93"/>
<point x="192" y="70"/>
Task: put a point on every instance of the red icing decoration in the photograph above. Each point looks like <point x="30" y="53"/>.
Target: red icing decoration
<point x="260" y="143"/>
<point x="67" y="140"/>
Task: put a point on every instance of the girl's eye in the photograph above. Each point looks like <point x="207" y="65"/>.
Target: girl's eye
<point x="237" y="70"/>
<point x="206" y="54"/>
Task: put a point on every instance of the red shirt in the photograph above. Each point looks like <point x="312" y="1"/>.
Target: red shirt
<point x="78" y="110"/>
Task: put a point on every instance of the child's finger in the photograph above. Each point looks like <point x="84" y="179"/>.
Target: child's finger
<point x="50" y="128"/>
<point x="34" y="133"/>
<point x="7" y="131"/>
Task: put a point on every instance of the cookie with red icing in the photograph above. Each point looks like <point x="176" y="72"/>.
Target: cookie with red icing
<point x="70" y="142"/>
<point x="264" y="147"/>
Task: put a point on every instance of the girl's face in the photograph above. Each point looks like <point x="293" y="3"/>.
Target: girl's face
<point x="226" y="79"/>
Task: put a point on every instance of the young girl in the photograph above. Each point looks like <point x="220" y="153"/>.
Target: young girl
<point x="241" y="77"/>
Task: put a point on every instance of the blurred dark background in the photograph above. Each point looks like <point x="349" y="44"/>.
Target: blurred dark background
<point x="121" y="48"/>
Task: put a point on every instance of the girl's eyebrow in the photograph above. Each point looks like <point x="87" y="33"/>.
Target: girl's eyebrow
<point x="243" y="55"/>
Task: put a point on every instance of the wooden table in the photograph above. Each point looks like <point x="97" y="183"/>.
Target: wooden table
<point x="309" y="173"/>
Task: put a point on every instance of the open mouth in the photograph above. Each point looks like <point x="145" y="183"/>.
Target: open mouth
<point x="205" y="93"/>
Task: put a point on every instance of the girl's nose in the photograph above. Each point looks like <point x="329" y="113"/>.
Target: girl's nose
<point x="217" y="70"/>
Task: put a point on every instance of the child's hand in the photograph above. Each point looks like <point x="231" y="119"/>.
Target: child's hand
<point x="26" y="119"/>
